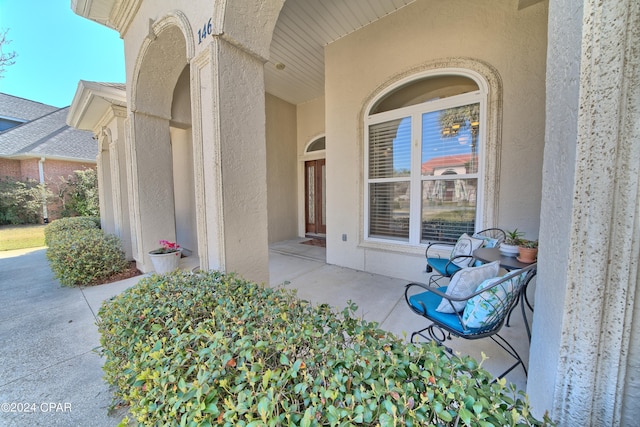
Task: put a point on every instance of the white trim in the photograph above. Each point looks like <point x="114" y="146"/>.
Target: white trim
<point x="480" y="96"/>
<point x="305" y="157"/>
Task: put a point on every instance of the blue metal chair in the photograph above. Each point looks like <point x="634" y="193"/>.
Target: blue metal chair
<point x="461" y="253"/>
<point x="485" y="312"/>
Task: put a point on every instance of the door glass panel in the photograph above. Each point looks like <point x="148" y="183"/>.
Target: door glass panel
<point x="324" y="197"/>
<point x="311" y="194"/>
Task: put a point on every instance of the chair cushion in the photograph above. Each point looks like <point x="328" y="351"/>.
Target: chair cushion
<point x="464" y="283"/>
<point x="429" y="301"/>
<point x="465" y="246"/>
<point x="484" y="310"/>
<point x="440" y="264"/>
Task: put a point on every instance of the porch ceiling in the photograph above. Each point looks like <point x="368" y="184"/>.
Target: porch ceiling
<point x="303" y="29"/>
<point x="295" y="71"/>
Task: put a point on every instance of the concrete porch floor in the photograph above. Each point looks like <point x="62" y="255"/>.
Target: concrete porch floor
<point x="381" y="299"/>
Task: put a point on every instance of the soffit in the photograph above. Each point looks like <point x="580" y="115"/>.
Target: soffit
<point x="303" y="30"/>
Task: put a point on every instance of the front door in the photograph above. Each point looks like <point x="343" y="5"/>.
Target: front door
<point x="314" y="191"/>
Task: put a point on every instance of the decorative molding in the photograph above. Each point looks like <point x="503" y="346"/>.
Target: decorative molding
<point x="207" y="157"/>
<point x="132" y="188"/>
<point x="197" y="64"/>
<point x="122" y="15"/>
<point x="490" y="83"/>
<point x="116" y="195"/>
<point x="175" y="18"/>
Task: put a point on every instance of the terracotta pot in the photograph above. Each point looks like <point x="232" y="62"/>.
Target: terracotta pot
<point x="527" y="255"/>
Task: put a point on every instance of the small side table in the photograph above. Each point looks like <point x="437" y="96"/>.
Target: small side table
<point x="493" y="254"/>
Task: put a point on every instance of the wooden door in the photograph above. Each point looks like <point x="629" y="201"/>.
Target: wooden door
<point x="315" y="198"/>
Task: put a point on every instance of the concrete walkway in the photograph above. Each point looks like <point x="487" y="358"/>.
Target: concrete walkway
<point x="51" y="372"/>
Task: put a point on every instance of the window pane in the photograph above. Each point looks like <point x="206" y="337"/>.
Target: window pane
<point x="425" y="90"/>
<point x="448" y="209"/>
<point x="317" y="145"/>
<point x="390" y="149"/>
<point x="450" y="141"/>
<point x="389" y="210"/>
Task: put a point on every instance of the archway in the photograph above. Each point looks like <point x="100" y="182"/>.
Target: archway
<point x="160" y="89"/>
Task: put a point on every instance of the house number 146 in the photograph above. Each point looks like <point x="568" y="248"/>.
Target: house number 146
<point x="206" y="30"/>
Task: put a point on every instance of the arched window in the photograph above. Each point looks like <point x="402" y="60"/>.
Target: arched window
<point x="424" y="157"/>
<point x="316" y="145"/>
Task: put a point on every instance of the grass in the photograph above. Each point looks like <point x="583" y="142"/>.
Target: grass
<point x="21" y="236"/>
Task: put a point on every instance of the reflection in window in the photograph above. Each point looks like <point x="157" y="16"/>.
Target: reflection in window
<point x="449" y="147"/>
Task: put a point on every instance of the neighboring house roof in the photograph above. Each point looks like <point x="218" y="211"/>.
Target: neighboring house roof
<point x="47" y="135"/>
<point x="21" y="109"/>
<point x="445" y="161"/>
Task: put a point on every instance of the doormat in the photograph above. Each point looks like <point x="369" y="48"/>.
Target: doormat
<point x="316" y="242"/>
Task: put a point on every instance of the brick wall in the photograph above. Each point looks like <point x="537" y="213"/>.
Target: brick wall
<point x="29" y="169"/>
<point x="53" y="171"/>
<point x="10" y="168"/>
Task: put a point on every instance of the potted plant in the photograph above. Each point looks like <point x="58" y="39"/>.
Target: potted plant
<point x="528" y="251"/>
<point x="167" y="257"/>
<point x="510" y="245"/>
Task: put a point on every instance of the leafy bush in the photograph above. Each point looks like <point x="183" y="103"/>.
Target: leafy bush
<point x="21" y="201"/>
<point x="79" y="193"/>
<point x="211" y="349"/>
<point x="85" y="256"/>
<point x="64" y="225"/>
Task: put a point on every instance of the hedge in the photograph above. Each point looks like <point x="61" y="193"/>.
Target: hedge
<point x="202" y="349"/>
<point x="84" y="256"/>
<point x="70" y="224"/>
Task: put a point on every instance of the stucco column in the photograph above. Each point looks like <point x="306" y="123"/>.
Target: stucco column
<point x="100" y="165"/>
<point x="585" y="346"/>
<point x="228" y="115"/>
<point x="117" y="150"/>
<point x="104" y="175"/>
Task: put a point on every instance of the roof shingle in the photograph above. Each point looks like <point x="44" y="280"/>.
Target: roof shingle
<point x="47" y="135"/>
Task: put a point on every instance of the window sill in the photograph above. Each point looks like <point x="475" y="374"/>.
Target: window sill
<point x="405" y="248"/>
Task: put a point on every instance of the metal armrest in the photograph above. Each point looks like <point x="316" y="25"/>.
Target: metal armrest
<point x="426" y="252"/>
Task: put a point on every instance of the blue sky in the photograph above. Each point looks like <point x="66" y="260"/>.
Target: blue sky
<point x="56" y="48"/>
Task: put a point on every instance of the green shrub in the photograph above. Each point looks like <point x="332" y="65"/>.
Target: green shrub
<point x="211" y="349"/>
<point x="85" y="256"/>
<point x="79" y="193"/>
<point x="21" y="201"/>
<point x="72" y="224"/>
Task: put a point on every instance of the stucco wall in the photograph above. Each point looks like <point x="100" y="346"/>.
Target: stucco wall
<point x="311" y="125"/>
<point x="311" y="117"/>
<point x="281" y="169"/>
<point x="495" y="32"/>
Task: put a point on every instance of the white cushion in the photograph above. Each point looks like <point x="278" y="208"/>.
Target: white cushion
<point x="464" y="283"/>
<point x="465" y="246"/>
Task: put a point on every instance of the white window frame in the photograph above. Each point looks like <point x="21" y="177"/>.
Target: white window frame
<point x="416" y="111"/>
